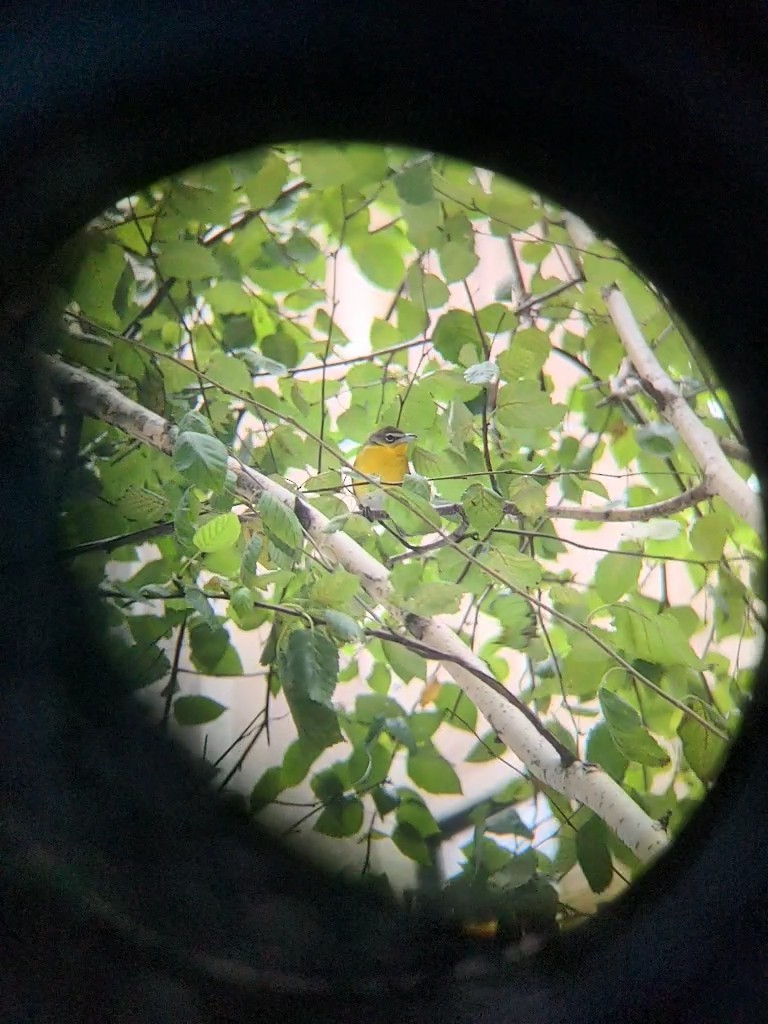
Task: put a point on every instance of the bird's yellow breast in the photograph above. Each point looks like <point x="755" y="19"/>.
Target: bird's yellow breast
<point x="388" y="462"/>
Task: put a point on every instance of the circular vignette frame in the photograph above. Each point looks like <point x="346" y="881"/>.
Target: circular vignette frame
<point x="651" y="126"/>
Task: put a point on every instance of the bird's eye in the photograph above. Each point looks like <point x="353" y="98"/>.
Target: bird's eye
<point x="391" y="438"/>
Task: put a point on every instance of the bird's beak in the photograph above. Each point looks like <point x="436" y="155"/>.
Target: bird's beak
<point x="410" y="437"/>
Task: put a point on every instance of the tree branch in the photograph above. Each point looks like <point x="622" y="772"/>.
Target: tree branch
<point x="578" y="780"/>
<point x="709" y="452"/>
<point x="719" y="475"/>
<point x="608" y="513"/>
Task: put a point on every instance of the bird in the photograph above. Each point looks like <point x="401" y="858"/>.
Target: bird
<point x="385" y="456"/>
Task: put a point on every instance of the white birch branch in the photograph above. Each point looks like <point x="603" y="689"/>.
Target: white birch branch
<point x="576" y="780"/>
<point x="719" y="475"/>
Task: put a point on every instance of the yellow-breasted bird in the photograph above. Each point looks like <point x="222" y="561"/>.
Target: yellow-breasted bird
<point x="384" y="455"/>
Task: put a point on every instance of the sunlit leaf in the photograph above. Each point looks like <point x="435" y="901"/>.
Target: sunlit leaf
<point x="433" y="773"/>
<point x="483" y="508"/>
<point x="219" y="532"/>
<point x="656" y="638"/>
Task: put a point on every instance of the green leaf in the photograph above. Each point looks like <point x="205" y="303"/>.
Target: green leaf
<point x="616" y="575"/>
<point x="336" y="589"/>
<point x="709" y="534"/>
<point x="424" y="224"/>
<point x="241" y="602"/>
<point x="424" y="724"/>
<point x="520" y="406"/>
<point x="628" y="733"/>
<point x="483" y="508"/>
<point x="529" y="497"/>
<point x="404" y="663"/>
<point x="703" y="751"/>
<point x="525" y="357"/>
<point x="328" y="784"/>
<point x="412" y="845"/>
<point x="385" y="800"/>
<point x="342" y="818"/>
<point x="269" y="786"/>
<point x="265" y="185"/>
<point x="515" y="871"/>
<point x="378" y="260"/>
<point x="511" y="205"/>
<point x="483" y="853"/>
<point x="496" y="319"/>
<point x="217" y="533"/>
<point x="414" y="183"/>
<point x="237" y="333"/>
<point x="593" y="854"/>
<point x="229" y="297"/>
<point x="507" y="822"/>
<point x="453" y="330"/>
<point x="316" y="724"/>
<point x="343" y="626"/>
<point x="435" y="291"/>
<point x="201" y="459"/>
<point x="435" y="599"/>
<point x="400" y="732"/>
<point x="410" y="512"/>
<point x="198" y="602"/>
<point x="327" y="165"/>
<point x="230" y="372"/>
<point x="196" y="710"/>
<point x="297" y="760"/>
<point x="308" y="669"/>
<point x="655" y="638"/>
<point x="280" y="348"/>
<point x="505" y="559"/>
<point x="418" y="815"/>
<point x="212" y="652"/>
<point x="312" y="661"/>
<point x="657" y="438"/>
<point x="303" y="299"/>
<point x="98" y="274"/>
<point x="459" y="710"/>
<point x="375" y="707"/>
<point x="283" y="530"/>
<point x="250" y="561"/>
<point x="196" y="423"/>
<point x="143" y="505"/>
<point x="141" y="665"/>
<point x="517" y="620"/>
<point x="433" y="773"/>
<point x="457" y="260"/>
<point x="603" y="751"/>
<point x="380" y="679"/>
<point x="187" y="260"/>
<point x="200" y="195"/>
<point x="488" y="748"/>
<point x="384" y="335"/>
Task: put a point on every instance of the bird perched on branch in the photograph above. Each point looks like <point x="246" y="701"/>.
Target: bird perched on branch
<point x="384" y="456"/>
